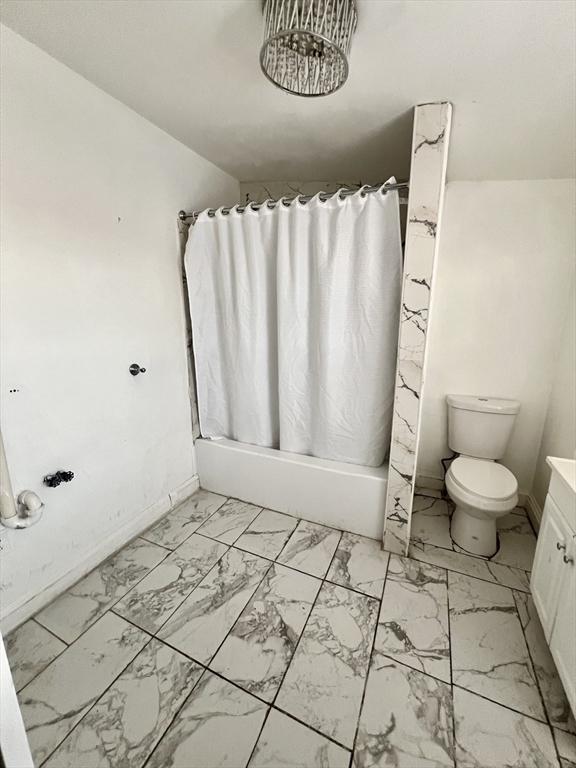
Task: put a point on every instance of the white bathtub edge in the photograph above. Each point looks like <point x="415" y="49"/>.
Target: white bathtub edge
<point x="340" y="495"/>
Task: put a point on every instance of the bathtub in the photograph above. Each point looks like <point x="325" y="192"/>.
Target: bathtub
<point x="333" y="493"/>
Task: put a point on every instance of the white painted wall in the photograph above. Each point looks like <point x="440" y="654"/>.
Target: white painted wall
<point x="504" y="271"/>
<point x="559" y="437"/>
<point x="90" y="283"/>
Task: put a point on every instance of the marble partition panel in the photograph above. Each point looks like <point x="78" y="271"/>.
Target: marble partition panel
<point x="427" y="179"/>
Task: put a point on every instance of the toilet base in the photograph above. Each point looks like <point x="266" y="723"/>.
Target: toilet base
<point x="475" y="535"/>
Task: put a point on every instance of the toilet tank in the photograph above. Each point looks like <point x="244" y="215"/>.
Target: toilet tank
<point x="480" y="426"/>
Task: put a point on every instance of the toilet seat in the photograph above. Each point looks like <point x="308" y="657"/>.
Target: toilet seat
<point x="484" y="479"/>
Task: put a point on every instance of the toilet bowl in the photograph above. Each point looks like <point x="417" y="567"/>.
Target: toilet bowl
<point x="482" y="491"/>
<point x="479" y="429"/>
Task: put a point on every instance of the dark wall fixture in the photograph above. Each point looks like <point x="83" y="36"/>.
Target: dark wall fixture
<point x="62" y="476"/>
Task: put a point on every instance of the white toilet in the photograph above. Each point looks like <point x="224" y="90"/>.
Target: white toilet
<point x="479" y="429"/>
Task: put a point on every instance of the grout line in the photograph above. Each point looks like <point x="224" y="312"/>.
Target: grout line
<point x="248" y="601"/>
<point x="294" y="517"/>
<point x="259" y="554"/>
<point x="66" y="646"/>
<point x="205" y="576"/>
<point x="261" y="509"/>
<point x="53" y="632"/>
<point x="108" y="607"/>
<point x="451" y="668"/>
<point x="258" y="737"/>
<point x="499" y="704"/>
<point x="95" y="702"/>
<point x="463" y="552"/>
<point x="310" y="727"/>
<point x="536" y="678"/>
<point x="206" y="667"/>
<point x="148" y="541"/>
<point x="285" y="565"/>
<point x="200" y="524"/>
<point x="47" y="629"/>
<point x="249" y="524"/>
<point x="108" y="610"/>
<point x="178" y="711"/>
<point x="334" y="555"/>
<point x="369" y="666"/>
<point x="327" y="570"/>
<point x="209" y="670"/>
<point x="293" y="654"/>
<point x="181" y="603"/>
<point x="270" y="705"/>
<point x="473" y="576"/>
<point x="403" y="664"/>
<point x="129" y="621"/>
<point x="323" y="580"/>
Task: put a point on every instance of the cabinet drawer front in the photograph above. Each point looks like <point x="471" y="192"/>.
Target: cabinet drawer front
<point x="563" y="497"/>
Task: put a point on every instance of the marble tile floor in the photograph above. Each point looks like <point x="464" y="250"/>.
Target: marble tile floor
<point x="431" y="543"/>
<point x="230" y="635"/>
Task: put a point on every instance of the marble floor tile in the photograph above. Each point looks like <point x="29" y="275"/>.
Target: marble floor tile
<point x="434" y="493"/>
<point x="183" y="520"/>
<point x="555" y="701"/>
<point x="324" y="683"/>
<point x="360" y="564"/>
<point x="57" y="699"/>
<point x="310" y="548"/>
<point x="413" y="622"/>
<point x="30" y="648"/>
<point x="566" y="746"/>
<point x="491" y="736"/>
<point x="203" y="620"/>
<point x="285" y="743"/>
<point x="431" y="521"/>
<point x="258" y="649"/>
<point x="268" y="533"/>
<point x="471" y="566"/>
<point x="80" y="606"/>
<point x="489" y="652"/>
<point x="230" y="521"/>
<point x="154" y="599"/>
<point x="431" y="526"/>
<point x="517" y="542"/>
<point x="127" y="722"/>
<point x="406" y="719"/>
<point x="217" y="728"/>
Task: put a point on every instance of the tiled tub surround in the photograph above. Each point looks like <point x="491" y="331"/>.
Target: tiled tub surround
<point x="257" y="639"/>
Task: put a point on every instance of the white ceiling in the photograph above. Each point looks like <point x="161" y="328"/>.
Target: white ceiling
<point x="191" y="67"/>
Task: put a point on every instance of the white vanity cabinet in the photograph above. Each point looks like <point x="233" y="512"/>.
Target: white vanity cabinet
<point x="553" y="581"/>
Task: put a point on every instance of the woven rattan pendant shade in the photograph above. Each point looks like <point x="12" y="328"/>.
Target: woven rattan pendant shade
<point x="306" y="44"/>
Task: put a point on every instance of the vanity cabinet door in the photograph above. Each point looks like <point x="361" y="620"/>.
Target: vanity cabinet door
<point x="549" y="567"/>
<point x="563" y="642"/>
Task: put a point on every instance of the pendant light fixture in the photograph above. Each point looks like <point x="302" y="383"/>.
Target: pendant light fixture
<point x="306" y="44"/>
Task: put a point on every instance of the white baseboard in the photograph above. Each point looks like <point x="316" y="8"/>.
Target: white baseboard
<point x="29" y="605"/>
<point x="532" y="507"/>
<point x="178" y="495"/>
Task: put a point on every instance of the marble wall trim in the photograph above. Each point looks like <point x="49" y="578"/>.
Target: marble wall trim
<point x="427" y="179"/>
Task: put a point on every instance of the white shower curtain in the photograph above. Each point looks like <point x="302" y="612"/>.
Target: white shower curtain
<point x="295" y="315"/>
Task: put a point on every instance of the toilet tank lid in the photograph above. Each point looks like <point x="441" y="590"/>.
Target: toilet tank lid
<point x="483" y="404"/>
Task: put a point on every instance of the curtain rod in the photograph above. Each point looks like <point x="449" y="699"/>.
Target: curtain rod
<point x="342" y="193"/>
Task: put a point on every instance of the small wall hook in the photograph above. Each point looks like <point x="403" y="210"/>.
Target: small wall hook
<point x="135" y="369"/>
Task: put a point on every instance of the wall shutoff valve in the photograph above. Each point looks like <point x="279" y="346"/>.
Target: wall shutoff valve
<point x="62" y="476"/>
